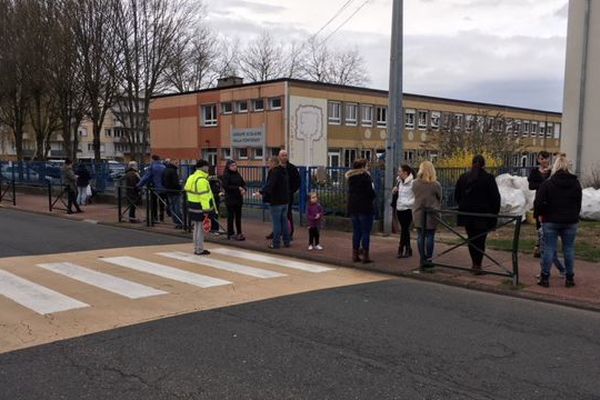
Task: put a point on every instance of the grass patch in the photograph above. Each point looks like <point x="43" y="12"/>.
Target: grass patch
<point x="508" y="284"/>
<point x="583" y="250"/>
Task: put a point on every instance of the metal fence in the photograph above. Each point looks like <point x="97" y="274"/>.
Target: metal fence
<point x="328" y="182"/>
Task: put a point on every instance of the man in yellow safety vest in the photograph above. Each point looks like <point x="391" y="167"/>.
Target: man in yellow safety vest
<point x="200" y="202"/>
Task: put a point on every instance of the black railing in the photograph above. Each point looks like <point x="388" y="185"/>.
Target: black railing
<point x="504" y="220"/>
<point x="8" y="192"/>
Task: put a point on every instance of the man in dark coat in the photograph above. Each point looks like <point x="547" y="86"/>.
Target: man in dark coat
<point x="132" y="192"/>
<point x="153" y="178"/>
<point x="361" y="195"/>
<point x="83" y="180"/>
<point x="294" y="185"/>
<point x="276" y="193"/>
<point x="70" y="183"/>
<point x="536" y="177"/>
<point x="477" y="192"/>
<point x="173" y="188"/>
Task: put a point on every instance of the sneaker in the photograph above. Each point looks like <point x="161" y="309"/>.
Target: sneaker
<point x="310" y="247"/>
<point x="319" y="247"/>
<point x="269" y="236"/>
<point x="202" y="253"/>
<point x="543" y="282"/>
<point x="240" y="238"/>
<point x="271" y="246"/>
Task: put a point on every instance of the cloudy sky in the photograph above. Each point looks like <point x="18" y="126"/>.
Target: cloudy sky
<point x="502" y="51"/>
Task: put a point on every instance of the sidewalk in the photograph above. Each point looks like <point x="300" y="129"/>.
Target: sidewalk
<point x="337" y="250"/>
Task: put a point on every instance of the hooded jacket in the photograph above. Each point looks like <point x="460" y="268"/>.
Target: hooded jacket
<point x="277" y="189"/>
<point x="171" y="179"/>
<point x="477" y="192"/>
<point x="154" y="175"/>
<point x="232" y="181"/>
<point x="558" y="199"/>
<point x="361" y="193"/>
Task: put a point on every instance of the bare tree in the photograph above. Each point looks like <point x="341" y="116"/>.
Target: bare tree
<point x="15" y="58"/>
<point x="97" y="47"/>
<point x="316" y="64"/>
<point x="227" y="60"/>
<point x="347" y="68"/>
<point x="262" y="59"/>
<point x="148" y="33"/>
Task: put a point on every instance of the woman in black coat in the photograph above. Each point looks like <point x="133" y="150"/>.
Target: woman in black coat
<point x="477" y="192"/>
<point x="361" y="195"/>
<point x="234" y="187"/>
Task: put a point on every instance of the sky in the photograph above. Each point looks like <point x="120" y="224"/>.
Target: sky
<point x="508" y="52"/>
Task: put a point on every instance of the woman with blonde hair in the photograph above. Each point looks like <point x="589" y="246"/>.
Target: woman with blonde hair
<point x="558" y="204"/>
<point x="428" y="195"/>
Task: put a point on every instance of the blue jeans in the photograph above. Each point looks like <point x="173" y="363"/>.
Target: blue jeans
<point x="280" y="225"/>
<point x="425" y="242"/>
<point x="175" y="208"/>
<point x="555" y="259"/>
<point x="362" y="225"/>
<point x="567" y="233"/>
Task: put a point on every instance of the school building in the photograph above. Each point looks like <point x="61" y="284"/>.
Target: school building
<point x="322" y="124"/>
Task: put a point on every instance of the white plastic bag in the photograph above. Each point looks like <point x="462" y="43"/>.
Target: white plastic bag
<point x="590" y="205"/>
<point x="88" y="191"/>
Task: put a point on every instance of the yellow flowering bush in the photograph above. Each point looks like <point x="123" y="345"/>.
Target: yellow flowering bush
<point x="464" y="159"/>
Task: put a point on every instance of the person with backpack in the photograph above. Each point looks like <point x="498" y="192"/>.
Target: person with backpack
<point x="234" y="187"/>
<point x="201" y="204"/>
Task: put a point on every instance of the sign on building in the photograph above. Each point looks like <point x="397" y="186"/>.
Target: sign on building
<point x="247" y="137"/>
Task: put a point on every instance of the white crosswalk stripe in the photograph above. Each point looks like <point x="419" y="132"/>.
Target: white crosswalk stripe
<point x="165" y="271"/>
<point x="282" y="262"/>
<point x="222" y="265"/>
<point x="101" y="280"/>
<point x="35" y="297"/>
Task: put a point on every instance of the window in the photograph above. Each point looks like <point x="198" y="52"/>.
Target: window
<point x="366" y="154"/>
<point x="243" y="154"/>
<point x="549" y="129"/>
<point x="258" y="153"/>
<point x="209" y="115"/>
<point x="445" y="120"/>
<point x="499" y="125"/>
<point x="83" y="132"/>
<point x="118" y="132"/>
<point x="517" y="127"/>
<point x="258" y="105"/>
<point x="107" y="132"/>
<point x="422" y="119"/>
<point x="542" y="129"/>
<point x="533" y="128"/>
<point x="349" y="157"/>
<point x="242" y="106"/>
<point x="409" y="119"/>
<point x="435" y="120"/>
<point x="90" y="147"/>
<point x="469" y="122"/>
<point x="509" y="126"/>
<point x="275" y="151"/>
<point x="382" y="117"/>
<point x="335" y="112"/>
<point x="275" y="103"/>
<point x="366" y="115"/>
<point x="351" y="111"/>
<point x="226" y="108"/>
<point x="525" y="128"/>
<point x="409" y="156"/>
<point x="557" y="131"/>
<point x="458" y="122"/>
<point x="227" y="154"/>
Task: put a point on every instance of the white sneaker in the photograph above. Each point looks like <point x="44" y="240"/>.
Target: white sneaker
<point x="319" y="247"/>
<point x="310" y="247"/>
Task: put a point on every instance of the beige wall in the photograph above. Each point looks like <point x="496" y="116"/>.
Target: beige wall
<point x="590" y="144"/>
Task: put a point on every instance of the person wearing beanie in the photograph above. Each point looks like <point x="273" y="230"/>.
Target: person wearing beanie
<point x="234" y="187"/>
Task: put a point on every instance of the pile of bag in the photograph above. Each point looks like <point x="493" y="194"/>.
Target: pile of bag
<point x="517" y="199"/>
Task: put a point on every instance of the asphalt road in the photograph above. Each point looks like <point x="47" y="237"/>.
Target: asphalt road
<point x="399" y="339"/>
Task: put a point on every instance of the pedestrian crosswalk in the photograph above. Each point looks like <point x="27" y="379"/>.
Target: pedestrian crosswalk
<point x="46" y="298"/>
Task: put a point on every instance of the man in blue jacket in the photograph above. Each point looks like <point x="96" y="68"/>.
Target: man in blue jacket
<point x="153" y="178"/>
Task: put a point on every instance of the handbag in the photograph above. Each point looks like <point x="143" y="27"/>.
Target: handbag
<point x="88" y="191"/>
<point x="206" y="223"/>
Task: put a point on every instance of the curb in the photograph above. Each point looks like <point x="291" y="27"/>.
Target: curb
<point x="432" y="278"/>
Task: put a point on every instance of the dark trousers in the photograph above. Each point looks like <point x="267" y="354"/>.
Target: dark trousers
<point x="157" y="206"/>
<point x="313" y="235"/>
<point x="214" y="217"/>
<point x="72" y="199"/>
<point x="477" y="245"/>
<point x="234" y="214"/>
<point x="290" y="217"/>
<point x="362" y="224"/>
<point x="405" y="219"/>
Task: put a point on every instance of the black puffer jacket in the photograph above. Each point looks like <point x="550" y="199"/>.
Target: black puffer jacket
<point x="277" y="189"/>
<point x="558" y="199"/>
<point x="232" y="181"/>
<point x="170" y="179"/>
<point x="360" y="192"/>
<point x="477" y="192"/>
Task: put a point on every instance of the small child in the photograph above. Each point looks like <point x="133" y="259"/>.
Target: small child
<point x="315" y="217"/>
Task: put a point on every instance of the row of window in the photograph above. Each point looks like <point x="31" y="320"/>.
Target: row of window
<point x="239" y="154"/>
<point x="210" y="111"/>
<point x="423" y="120"/>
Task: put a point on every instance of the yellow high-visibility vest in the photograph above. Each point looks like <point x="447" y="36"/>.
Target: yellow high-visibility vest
<point x="199" y="194"/>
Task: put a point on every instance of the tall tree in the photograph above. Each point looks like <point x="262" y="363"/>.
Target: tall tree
<point x="15" y="58"/>
<point x="96" y="42"/>
<point x="262" y="59"/>
<point x="148" y="32"/>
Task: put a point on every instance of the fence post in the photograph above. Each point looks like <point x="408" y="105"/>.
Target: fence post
<point x="119" y="202"/>
<point x="50" y="196"/>
<point x="515" y="252"/>
<point x="184" y="213"/>
<point x="304" y="179"/>
<point x="14" y="191"/>
<point x="148" y="207"/>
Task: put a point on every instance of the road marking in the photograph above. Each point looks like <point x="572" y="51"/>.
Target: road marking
<point x="35" y="297"/>
<point x="282" y="262"/>
<point x="101" y="280"/>
<point x="223" y="265"/>
<point x="165" y="271"/>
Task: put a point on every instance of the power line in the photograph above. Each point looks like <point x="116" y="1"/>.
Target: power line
<point x="345" y="21"/>
<point x="338" y="12"/>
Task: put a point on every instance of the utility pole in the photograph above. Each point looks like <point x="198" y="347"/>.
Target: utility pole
<point x="394" y="150"/>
